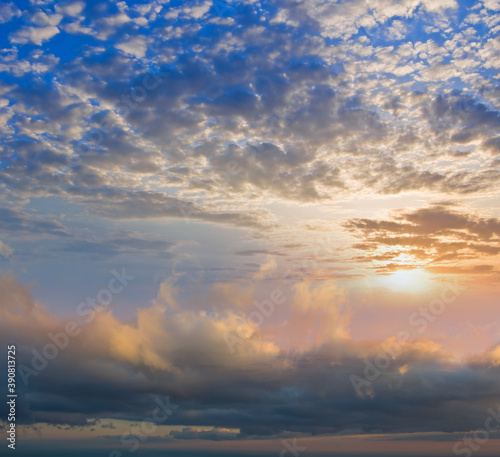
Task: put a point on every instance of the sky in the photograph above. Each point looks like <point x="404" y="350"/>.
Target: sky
<point x="251" y="228"/>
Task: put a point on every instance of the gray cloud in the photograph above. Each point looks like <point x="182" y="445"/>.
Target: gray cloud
<point x="18" y="223"/>
<point x="259" y="390"/>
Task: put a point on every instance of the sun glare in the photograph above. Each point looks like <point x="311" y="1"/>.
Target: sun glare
<point x="406" y="280"/>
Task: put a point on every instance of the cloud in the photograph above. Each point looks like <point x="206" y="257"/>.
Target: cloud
<point x="282" y="117"/>
<point x="42" y="19"/>
<point x="436" y="237"/>
<point x="35" y="35"/>
<point x="253" y="252"/>
<point x="493" y="5"/>
<point x="8" y="11"/>
<point x="345" y="19"/>
<point x="182" y="353"/>
<point x="136" y="46"/>
<point x="148" y="205"/>
<point x="5" y="250"/>
<point x="190" y="433"/>
<point x="70" y="8"/>
<point x="119" y="244"/>
<point x="316" y="125"/>
<point x="18" y="223"/>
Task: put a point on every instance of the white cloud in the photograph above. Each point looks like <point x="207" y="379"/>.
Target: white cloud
<point x="76" y="27"/>
<point x="71" y="9"/>
<point x="7" y="12"/>
<point x="44" y="20"/>
<point x="490" y="53"/>
<point x="397" y="31"/>
<point x="136" y="46"/>
<point x="36" y="35"/>
<point x="439" y="5"/>
<point x="142" y="21"/>
<point x="197" y="12"/>
<point x="5" y="251"/>
<point x="117" y="19"/>
<point x="343" y="19"/>
<point x="493" y="5"/>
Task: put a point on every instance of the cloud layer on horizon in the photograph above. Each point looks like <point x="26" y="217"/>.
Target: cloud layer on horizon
<point x="251" y="385"/>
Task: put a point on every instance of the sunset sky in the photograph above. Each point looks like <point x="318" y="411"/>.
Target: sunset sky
<point x="273" y="223"/>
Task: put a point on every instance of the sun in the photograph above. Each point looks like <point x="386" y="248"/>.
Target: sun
<point x="406" y="281"/>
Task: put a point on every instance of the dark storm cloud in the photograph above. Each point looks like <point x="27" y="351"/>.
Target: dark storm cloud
<point x="319" y="400"/>
<point x="259" y="390"/>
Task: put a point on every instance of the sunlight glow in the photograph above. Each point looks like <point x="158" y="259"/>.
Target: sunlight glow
<point x="407" y="280"/>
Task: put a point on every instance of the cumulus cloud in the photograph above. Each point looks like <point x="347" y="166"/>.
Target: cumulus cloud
<point x="258" y="389"/>
<point x="36" y="35"/>
<point x="136" y="46"/>
<point x="8" y="11"/>
<point x="70" y="8"/>
<point x="344" y="19"/>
